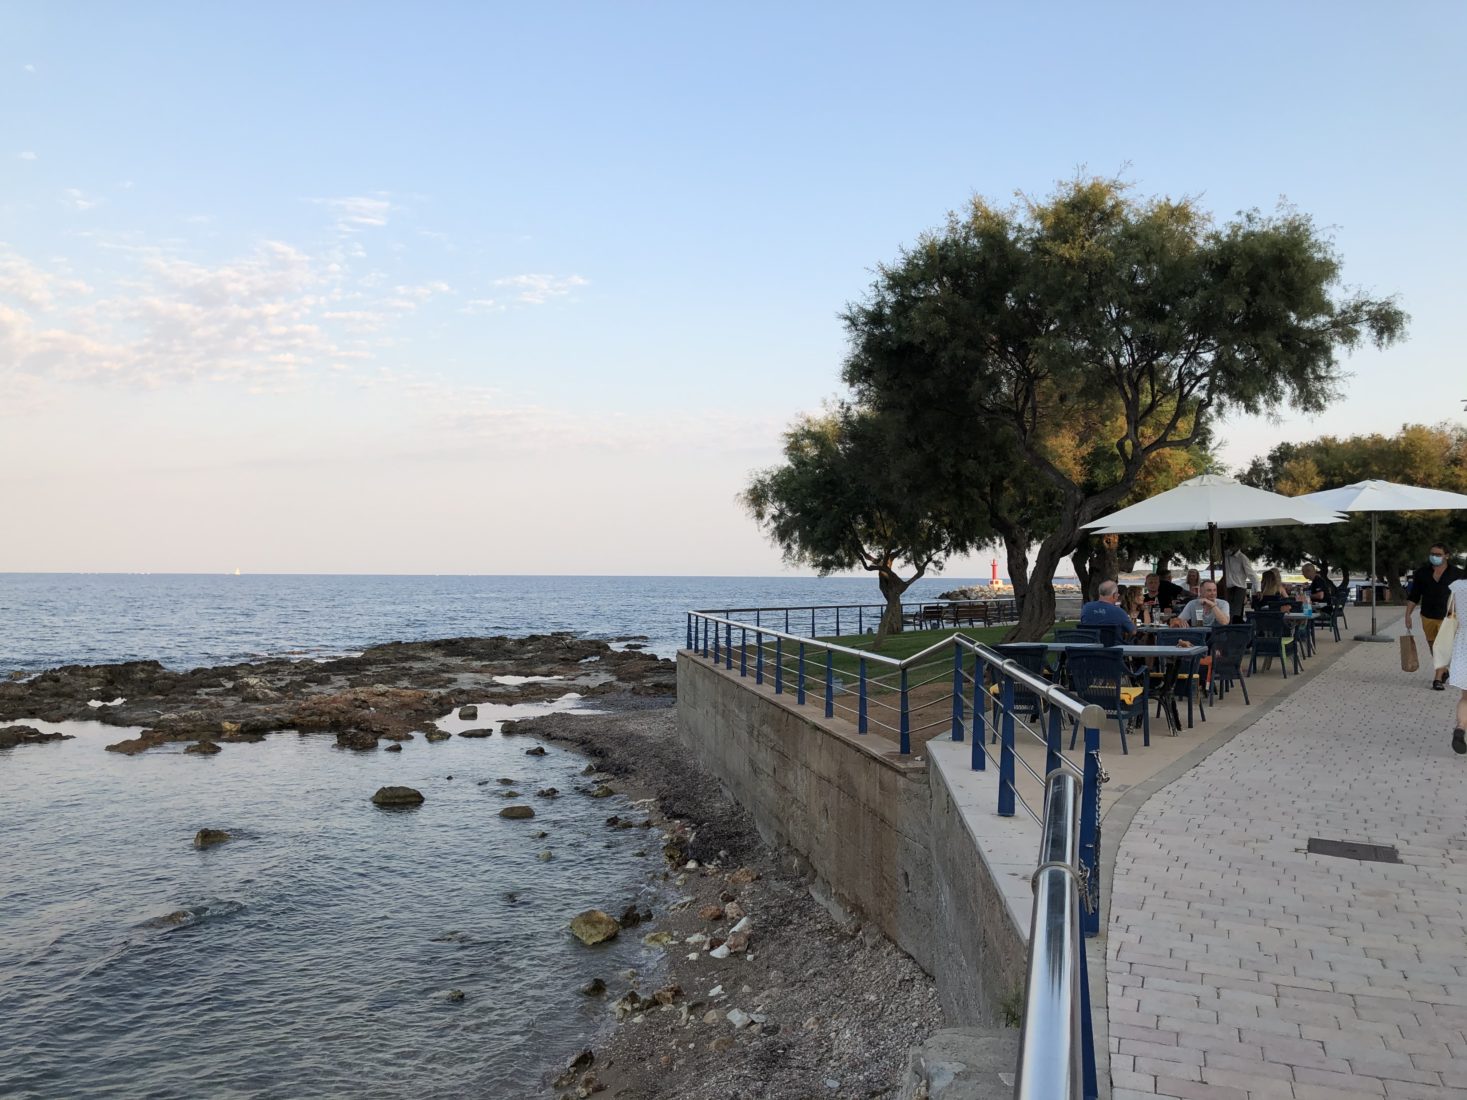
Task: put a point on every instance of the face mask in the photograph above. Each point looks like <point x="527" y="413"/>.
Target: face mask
<point x="1436" y="559"/>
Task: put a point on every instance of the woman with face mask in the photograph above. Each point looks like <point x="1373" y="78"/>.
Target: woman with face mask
<point x="1430" y="590"/>
<point x="1458" y="666"/>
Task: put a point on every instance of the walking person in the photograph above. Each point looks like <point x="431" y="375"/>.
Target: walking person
<point x="1457" y="668"/>
<point x="1238" y="576"/>
<point x="1430" y="590"/>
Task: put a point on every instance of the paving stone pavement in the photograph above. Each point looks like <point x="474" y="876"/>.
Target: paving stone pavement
<point x="1239" y="966"/>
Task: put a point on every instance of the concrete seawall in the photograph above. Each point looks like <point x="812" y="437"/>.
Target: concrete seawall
<point x="896" y="840"/>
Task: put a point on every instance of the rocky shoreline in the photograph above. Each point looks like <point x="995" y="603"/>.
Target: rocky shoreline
<point x="761" y="993"/>
<point x="390" y="692"/>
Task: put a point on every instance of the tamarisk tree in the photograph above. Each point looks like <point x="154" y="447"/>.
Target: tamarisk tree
<point x="1015" y="323"/>
<point x="849" y="496"/>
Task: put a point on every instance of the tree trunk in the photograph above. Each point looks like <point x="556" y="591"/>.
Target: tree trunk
<point x="1037" y="614"/>
<point x="1016" y="553"/>
<point x="892" y="587"/>
<point x="1080" y="559"/>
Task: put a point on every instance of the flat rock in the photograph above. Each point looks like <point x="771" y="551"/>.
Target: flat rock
<point x="594" y="926"/>
<point x="10" y="736"/>
<point x="437" y="735"/>
<point x="468" y="713"/>
<point x="205" y="748"/>
<point x="486" y="731"/>
<point x="517" y="813"/>
<point x="398" y="796"/>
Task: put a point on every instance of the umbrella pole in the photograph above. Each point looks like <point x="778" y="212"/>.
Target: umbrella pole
<point x="1374" y="635"/>
<point x="1212" y="544"/>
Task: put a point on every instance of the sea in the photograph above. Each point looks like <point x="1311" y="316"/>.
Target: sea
<point x="319" y="951"/>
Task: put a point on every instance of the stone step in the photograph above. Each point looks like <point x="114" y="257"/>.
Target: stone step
<point x="963" y="1063"/>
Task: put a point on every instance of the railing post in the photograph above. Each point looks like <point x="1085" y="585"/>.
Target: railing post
<point x="957" y="692"/>
<point x="1090" y="831"/>
<point x="717" y="657"/>
<point x="812" y="622"/>
<point x="728" y="646"/>
<point x="756" y="618"/>
<point x="690" y="630"/>
<point x="860" y="620"/>
<point x="1089" y="1082"/>
<point x="1006" y="752"/>
<point x="1052" y="758"/>
<point x="829" y="684"/>
<point x="906" y="718"/>
<point x="705" y="637"/>
<point x="758" y="656"/>
<point x="786" y="620"/>
<point x="778" y="665"/>
<point x="800" y="678"/>
<point x="743" y="651"/>
<point x="837" y="622"/>
<point x="861" y="704"/>
<point x="980" y="733"/>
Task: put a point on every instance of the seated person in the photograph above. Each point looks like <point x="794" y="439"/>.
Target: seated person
<point x="1320" y="589"/>
<point x="1105" y="610"/>
<point x="1168" y="591"/>
<point x="1214" y="612"/>
<point x="1271" y="596"/>
<point x="1194" y="581"/>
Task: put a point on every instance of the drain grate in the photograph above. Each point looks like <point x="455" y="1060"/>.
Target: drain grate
<point x="1354" y="849"/>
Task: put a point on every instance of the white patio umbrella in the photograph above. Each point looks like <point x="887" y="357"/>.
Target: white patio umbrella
<point x="1383" y="496"/>
<point x="1212" y="502"/>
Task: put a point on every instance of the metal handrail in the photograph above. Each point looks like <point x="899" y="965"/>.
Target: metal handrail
<point x="1050" y="1047"/>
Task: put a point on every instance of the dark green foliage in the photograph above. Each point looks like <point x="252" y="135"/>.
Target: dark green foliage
<point x="1093" y="333"/>
<point x="853" y="492"/>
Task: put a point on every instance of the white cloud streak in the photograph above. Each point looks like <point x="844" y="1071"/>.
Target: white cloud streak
<point x="536" y="290"/>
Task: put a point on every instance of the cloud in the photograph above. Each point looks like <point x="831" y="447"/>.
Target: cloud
<point x="29" y="68"/>
<point x="23" y="281"/>
<point x="535" y="290"/>
<point x="27" y="155"/>
<point x="79" y="201"/>
<point x="357" y="212"/>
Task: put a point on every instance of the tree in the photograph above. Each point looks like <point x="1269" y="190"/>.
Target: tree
<point x="849" y="495"/>
<point x="1434" y="456"/>
<point x="1019" y="323"/>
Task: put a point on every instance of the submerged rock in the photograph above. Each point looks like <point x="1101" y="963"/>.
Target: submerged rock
<point x="601" y="791"/>
<point x="398" y="796"/>
<point x="594" y="988"/>
<point x="393" y="748"/>
<point x="437" y="735"/>
<point x="517" y="813"/>
<point x="487" y="731"/>
<point x="205" y="748"/>
<point x="207" y="838"/>
<point x="546" y="792"/>
<point x="538" y="750"/>
<point x="593" y="927"/>
<point x="455" y="994"/>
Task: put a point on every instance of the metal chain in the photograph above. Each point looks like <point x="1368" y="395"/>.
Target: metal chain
<point x="1100" y="773"/>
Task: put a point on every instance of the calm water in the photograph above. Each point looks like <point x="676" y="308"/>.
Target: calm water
<point x="187" y="620"/>
<point x="322" y="941"/>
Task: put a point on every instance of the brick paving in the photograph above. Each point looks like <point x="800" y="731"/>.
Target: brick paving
<point x="1240" y="966"/>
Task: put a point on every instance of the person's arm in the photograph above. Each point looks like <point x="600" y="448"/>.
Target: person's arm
<point x="1410" y="597"/>
<point x="1220" y="613"/>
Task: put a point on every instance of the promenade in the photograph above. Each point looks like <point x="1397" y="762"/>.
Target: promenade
<point x="1238" y="964"/>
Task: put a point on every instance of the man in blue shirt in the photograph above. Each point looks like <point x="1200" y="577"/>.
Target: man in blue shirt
<point x="1105" y="610"/>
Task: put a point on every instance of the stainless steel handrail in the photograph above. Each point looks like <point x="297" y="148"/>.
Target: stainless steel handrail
<point x="1051" y="1044"/>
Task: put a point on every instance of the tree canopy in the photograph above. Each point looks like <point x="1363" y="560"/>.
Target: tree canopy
<point x="1434" y="456"/>
<point x="850" y="495"/>
<point x="1081" y="340"/>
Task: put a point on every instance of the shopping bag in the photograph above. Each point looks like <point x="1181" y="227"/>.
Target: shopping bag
<point x="1409" y="663"/>
<point x="1446" y="638"/>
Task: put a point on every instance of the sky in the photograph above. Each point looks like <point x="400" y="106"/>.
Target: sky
<point x="533" y="288"/>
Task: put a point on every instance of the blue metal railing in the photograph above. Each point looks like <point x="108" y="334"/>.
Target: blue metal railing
<point x="840" y="620"/>
<point x="976" y="701"/>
